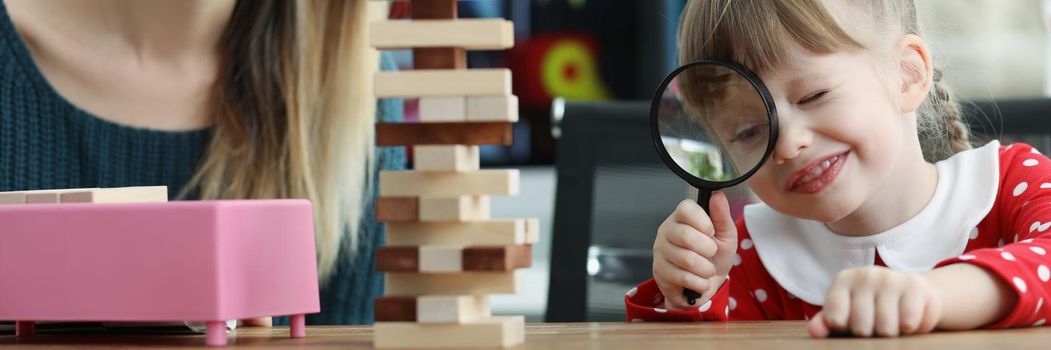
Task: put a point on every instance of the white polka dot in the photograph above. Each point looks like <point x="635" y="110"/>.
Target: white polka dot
<point x="967" y="257"/>
<point x="1038" y="250"/>
<point x="746" y="244"/>
<point x="637" y="320"/>
<point x="1044" y="273"/>
<point x="1030" y="240"/>
<point x="1024" y="204"/>
<point x="974" y="233"/>
<point x="1034" y="226"/>
<point x="1039" y="304"/>
<point x="732" y="304"/>
<point x="706" y="306"/>
<point x="659" y="310"/>
<point x="1020" y="189"/>
<point x="1007" y="256"/>
<point x="1019" y="283"/>
<point x="1016" y="238"/>
<point x="1030" y="162"/>
<point x="727" y="311"/>
<point x="1043" y="227"/>
<point x="1039" y="323"/>
<point x="760" y="295"/>
<point x="1045" y="185"/>
<point x="737" y="259"/>
<point x="1034" y="151"/>
<point x="632" y="292"/>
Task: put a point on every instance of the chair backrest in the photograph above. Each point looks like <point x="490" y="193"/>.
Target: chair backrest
<point x="613" y="192"/>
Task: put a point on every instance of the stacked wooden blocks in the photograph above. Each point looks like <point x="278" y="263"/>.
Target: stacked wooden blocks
<point x="445" y="254"/>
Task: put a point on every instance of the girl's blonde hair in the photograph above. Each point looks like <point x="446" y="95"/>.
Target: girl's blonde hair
<point x="294" y="114"/>
<point x="756" y="34"/>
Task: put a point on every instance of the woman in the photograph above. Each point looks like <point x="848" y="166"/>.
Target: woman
<point x="213" y="98"/>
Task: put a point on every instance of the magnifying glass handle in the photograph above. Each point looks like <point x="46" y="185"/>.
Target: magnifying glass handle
<point x="703" y="197"/>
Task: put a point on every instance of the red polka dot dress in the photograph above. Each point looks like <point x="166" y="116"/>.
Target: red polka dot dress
<point x="991" y="208"/>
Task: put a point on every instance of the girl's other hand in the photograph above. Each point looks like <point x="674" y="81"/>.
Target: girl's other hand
<point x="878" y="301"/>
<point x="694" y="251"/>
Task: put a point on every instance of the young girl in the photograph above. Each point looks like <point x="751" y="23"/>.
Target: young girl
<point x="213" y="98"/>
<point x="856" y="231"/>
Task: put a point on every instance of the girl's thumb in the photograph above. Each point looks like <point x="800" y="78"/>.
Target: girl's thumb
<point x="725" y="230"/>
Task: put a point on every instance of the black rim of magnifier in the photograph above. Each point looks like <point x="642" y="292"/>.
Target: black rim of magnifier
<point x="695" y="181"/>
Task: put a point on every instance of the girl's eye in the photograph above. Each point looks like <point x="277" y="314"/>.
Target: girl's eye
<point x="749" y="134"/>
<point x="813" y="97"/>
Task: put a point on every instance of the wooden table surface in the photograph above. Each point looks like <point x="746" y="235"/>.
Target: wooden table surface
<point x="644" y="336"/>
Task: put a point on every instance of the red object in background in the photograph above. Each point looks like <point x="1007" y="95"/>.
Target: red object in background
<point x="552" y="65"/>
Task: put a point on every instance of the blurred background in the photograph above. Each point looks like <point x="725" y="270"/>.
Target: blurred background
<point x="584" y="72"/>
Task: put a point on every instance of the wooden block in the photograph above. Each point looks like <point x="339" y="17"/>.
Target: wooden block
<point x="408" y="134"/>
<point x="439" y="58"/>
<point x="442" y="82"/>
<point x="441" y="258"/>
<point x="443" y="109"/>
<point x="468" y="33"/>
<point x="416" y="284"/>
<point x="143" y="194"/>
<point x="34" y="196"/>
<point x="500" y="331"/>
<point x="453" y="258"/>
<point x="433" y="308"/>
<point x="452" y="308"/>
<point x="390" y="209"/>
<point x="42" y="198"/>
<point x="394" y="309"/>
<point x="462" y="208"/>
<point x="447" y="184"/>
<point x="505" y="258"/>
<point x="433" y="9"/>
<point x="446" y="158"/>
<point x="492" y="108"/>
<point x="403" y="258"/>
<point x="471" y="233"/>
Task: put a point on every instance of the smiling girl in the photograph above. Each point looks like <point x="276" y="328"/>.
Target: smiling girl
<point x="877" y="216"/>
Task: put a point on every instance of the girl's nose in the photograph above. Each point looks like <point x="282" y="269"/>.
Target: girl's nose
<point x="792" y="138"/>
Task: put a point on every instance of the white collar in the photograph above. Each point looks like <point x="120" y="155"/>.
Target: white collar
<point x="804" y="256"/>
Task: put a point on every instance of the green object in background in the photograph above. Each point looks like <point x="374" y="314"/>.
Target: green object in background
<point x="705" y="165"/>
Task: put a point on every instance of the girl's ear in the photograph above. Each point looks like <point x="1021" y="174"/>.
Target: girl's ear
<point x="917" y="72"/>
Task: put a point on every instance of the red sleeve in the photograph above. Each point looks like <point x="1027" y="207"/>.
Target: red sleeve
<point x="735" y="300"/>
<point x="1024" y="204"/>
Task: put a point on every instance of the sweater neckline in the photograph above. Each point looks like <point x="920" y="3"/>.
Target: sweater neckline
<point x="24" y="60"/>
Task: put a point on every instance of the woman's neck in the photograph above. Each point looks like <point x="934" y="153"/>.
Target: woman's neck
<point x="150" y="29"/>
<point x="907" y="191"/>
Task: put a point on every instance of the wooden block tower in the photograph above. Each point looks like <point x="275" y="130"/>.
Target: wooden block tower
<point x="445" y="254"/>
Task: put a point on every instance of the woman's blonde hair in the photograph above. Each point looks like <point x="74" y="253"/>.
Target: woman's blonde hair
<point x="757" y="34"/>
<point x="294" y="114"/>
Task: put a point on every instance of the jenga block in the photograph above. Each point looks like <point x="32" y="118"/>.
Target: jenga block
<point x="443" y="109"/>
<point x="416" y="284"/>
<point x="42" y="198"/>
<point x="446" y="158"/>
<point x="500" y="331"/>
<point x="408" y="134"/>
<point x="390" y="209"/>
<point x="453" y="258"/>
<point x="398" y="258"/>
<point x="448" y="184"/>
<point x="471" y="233"/>
<point x="505" y="258"/>
<point x="462" y="208"/>
<point x="433" y="9"/>
<point x="443" y="82"/>
<point x="144" y="194"/>
<point x="441" y="258"/>
<point x="452" y="308"/>
<point x="439" y="58"/>
<point x="433" y="308"/>
<point x="471" y="34"/>
<point x="35" y="196"/>
<point x="395" y="309"/>
<point x="492" y="108"/>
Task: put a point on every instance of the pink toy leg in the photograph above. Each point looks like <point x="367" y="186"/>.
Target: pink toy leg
<point x="216" y="333"/>
<point x="24" y="328"/>
<point x="297" y="325"/>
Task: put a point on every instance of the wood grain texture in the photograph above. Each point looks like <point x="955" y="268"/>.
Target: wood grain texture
<point x="500" y="332"/>
<point x="470" y="34"/>
<point x="417" y="284"/>
<point x="761" y="335"/>
<point x="442" y="82"/>
<point x="432" y="308"/>
<point x="433" y="9"/>
<point x="410" y="134"/>
<point x="439" y="58"/>
<point x="470" y="233"/>
<point x="489" y="182"/>
<point x="397" y="209"/>
<point x="437" y="259"/>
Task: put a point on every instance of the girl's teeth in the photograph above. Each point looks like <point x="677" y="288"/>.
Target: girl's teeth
<point x="818" y="170"/>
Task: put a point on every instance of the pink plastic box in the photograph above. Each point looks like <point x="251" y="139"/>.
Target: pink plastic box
<point x="207" y="261"/>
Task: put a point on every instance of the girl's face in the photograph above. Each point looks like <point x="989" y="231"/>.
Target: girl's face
<point x="841" y="134"/>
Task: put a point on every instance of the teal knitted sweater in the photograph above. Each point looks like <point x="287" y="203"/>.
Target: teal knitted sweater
<point x="46" y="142"/>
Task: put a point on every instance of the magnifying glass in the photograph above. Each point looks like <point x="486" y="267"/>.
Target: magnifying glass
<point x="713" y="124"/>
